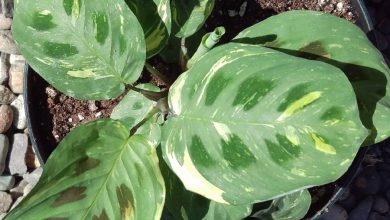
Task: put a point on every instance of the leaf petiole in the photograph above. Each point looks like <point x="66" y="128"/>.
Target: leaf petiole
<point x="158" y="74"/>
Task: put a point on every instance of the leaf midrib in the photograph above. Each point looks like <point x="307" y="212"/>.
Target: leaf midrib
<point x="98" y="194"/>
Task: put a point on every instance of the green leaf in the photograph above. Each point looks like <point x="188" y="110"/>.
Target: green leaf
<point x="133" y="108"/>
<point x="97" y="172"/>
<point x="185" y="205"/>
<point x="250" y="123"/>
<point x="293" y="206"/>
<point x="86" y="49"/>
<point x="155" y="18"/>
<point x="333" y="40"/>
<point x="188" y="16"/>
<point x="151" y="130"/>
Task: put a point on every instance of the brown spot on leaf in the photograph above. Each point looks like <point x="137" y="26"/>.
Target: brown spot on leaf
<point x="69" y="195"/>
<point x="313" y="50"/>
<point x="102" y="216"/>
<point x="125" y="199"/>
<point x="86" y="164"/>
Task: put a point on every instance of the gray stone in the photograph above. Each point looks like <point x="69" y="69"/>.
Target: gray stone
<point x="362" y="210"/>
<point x="16" y="74"/>
<point x="376" y="216"/>
<point x="368" y="182"/>
<point x="2" y="215"/>
<point x="6" y="96"/>
<point x="17" y="163"/>
<point x="4" y="66"/>
<point x="18" y="191"/>
<point x="7" y="44"/>
<point x="6" y="7"/>
<point x="6" y="182"/>
<point x="6" y="118"/>
<point x="5" y="23"/>
<point x="5" y="202"/>
<point x="4" y="146"/>
<point x="33" y="177"/>
<point x="19" y="113"/>
<point x="28" y="189"/>
<point x="380" y="205"/>
<point x="17" y="60"/>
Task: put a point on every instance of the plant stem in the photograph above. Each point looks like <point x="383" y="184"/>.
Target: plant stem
<point x="155" y="96"/>
<point x="157" y="74"/>
<point x="147" y="117"/>
<point x="208" y="42"/>
<point x="183" y="56"/>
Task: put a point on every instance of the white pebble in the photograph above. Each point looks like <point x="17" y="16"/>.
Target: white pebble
<point x="339" y="6"/>
<point x="80" y="117"/>
<point x="232" y="13"/>
<point x="243" y="9"/>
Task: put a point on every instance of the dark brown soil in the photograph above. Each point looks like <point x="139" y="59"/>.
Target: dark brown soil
<point x="68" y="112"/>
<point x="226" y="12"/>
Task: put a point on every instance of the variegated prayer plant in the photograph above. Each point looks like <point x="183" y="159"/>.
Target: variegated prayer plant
<point x="282" y="107"/>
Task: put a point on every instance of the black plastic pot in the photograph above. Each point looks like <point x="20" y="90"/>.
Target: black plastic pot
<point x="43" y="144"/>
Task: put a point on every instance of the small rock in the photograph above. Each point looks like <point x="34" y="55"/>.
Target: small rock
<point x="6" y="96"/>
<point x="7" y="8"/>
<point x="384" y="26"/>
<point x="5" y="202"/>
<point x="92" y="106"/>
<point x="329" y="8"/>
<point x="5" y="23"/>
<point x="17" y="60"/>
<point x="335" y="212"/>
<point x="32" y="160"/>
<point x="6" y="118"/>
<point x="242" y="10"/>
<point x="4" y="66"/>
<point x="28" y="189"/>
<point x="232" y="13"/>
<point x="33" y="177"/>
<point x="19" y="189"/>
<point x="16" y="74"/>
<point x="17" y="164"/>
<point x="19" y="113"/>
<point x="376" y="216"/>
<point x="339" y="6"/>
<point x="4" y="145"/>
<point x="7" y="44"/>
<point x="380" y="205"/>
<point x="51" y="92"/>
<point x="6" y="182"/>
<point x="362" y="210"/>
<point x="322" y="2"/>
<point x="368" y="182"/>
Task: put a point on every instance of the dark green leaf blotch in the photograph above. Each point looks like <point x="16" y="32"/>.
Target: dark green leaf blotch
<point x="42" y="21"/>
<point x="251" y="91"/>
<point x="237" y="153"/>
<point x="59" y="50"/>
